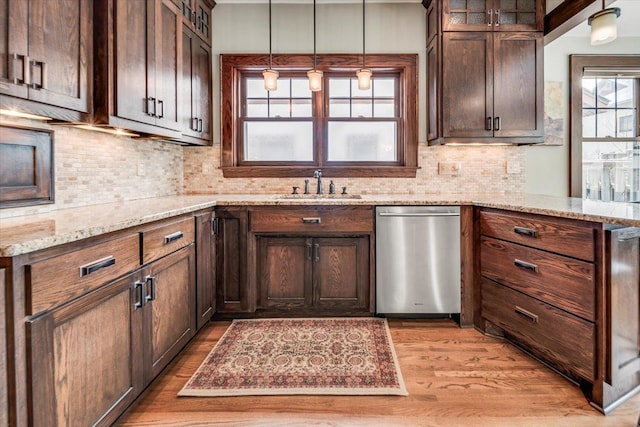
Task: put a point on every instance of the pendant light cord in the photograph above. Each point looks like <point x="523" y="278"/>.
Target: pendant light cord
<point x="363" y="37"/>
<point x="315" y="62"/>
<point x="270" y="54"/>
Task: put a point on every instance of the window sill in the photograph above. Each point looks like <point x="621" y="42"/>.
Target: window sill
<point x="328" y="171"/>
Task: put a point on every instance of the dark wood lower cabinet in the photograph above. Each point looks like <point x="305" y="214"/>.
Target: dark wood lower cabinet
<point x="205" y="269"/>
<point x="85" y="358"/>
<point x="4" y="354"/>
<point x="169" y="317"/>
<point x="324" y="274"/>
<point x="233" y="292"/>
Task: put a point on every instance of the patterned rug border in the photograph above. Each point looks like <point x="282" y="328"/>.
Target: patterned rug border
<point x="401" y="390"/>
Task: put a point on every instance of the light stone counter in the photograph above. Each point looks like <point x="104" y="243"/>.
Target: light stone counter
<point x="24" y="234"/>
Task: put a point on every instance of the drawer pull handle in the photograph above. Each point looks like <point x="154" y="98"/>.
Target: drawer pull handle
<point x="525" y="231"/>
<point x="525" y="265"/>
<point x="529" y="315"/>
<point x="87" y="269"/>
<point x="314" y="220"/>
<point x="173" y="237"/>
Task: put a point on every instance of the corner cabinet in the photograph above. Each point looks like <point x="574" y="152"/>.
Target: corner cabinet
<point x="484" y="85"/>
<point x="47" y="74"/>
<point x="119" y="307"/>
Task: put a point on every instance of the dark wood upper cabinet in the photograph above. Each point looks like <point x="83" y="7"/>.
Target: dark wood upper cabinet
<point x="197" y="16"/>
<point x="46" y="48"/>
<point x="196" y="80"/>
<point x="493" y="15"/>
<point x="483" y="86"/>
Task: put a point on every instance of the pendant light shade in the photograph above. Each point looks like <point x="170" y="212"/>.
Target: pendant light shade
<point x="270" y="75"/>
<point x="364" y="74"/>
<point x="315" y="76"/>
<point x="604" y="28"/>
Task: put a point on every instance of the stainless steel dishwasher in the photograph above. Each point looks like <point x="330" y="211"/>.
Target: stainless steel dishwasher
<point x="418" y="260"/>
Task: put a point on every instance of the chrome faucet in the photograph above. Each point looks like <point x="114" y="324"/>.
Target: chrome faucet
<point x="318" y="175"/>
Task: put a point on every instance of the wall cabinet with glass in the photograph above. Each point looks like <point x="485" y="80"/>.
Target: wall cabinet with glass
<point x="493" y="15"/>
<point x="606" y="140"/>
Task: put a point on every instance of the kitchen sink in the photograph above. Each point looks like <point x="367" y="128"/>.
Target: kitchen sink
<point x="319" y="196"/>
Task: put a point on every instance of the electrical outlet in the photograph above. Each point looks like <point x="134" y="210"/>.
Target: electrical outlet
<point x="140" y="169"/>
<point x="511" y="168"/>
<point x="206" y="168"/>
<point x="449" y="168"/>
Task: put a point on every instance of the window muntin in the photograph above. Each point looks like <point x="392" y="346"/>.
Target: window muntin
<point x="609" y="107"/>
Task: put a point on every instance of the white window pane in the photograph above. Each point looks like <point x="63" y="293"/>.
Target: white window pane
<point x="278" y="141"/>
<point x="588" y="92"/>
<point x="279" y="108"/>
<point x="606" y="123"/>
<point x="588" y="123"/>
<point x="384" y="108"/>
<point x="606" y="92"/>
<point x="339" y="108"/>
<point x="300" y="88"/>
<point x="257" y="108"/>
<point x="362" y="141"/>
<point x="384" y="87"/>
<point x="255" y="88"/>
<point x="284" y="89"/>
<point x="362" y="108"/>
<point x="626" y="93"/>
<point x="626" y="123"/>
<point x="611" y="171"/>
<point x="357" y="93"/>
<point x="301" y="108"/>
<point x="339" y="88"/>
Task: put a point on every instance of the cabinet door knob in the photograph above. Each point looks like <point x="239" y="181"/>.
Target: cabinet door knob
<point x="138" y="289"/>
<point x="161" y="107"/>
<point x="497" y="123"/>
<point x="151" y="282"/>
<point x="497" y="17"/>
<point x="490" y="15"/>
<point x="489" y="123"/>
<point x="151" y="109"/>
<point x="316" y="250"/>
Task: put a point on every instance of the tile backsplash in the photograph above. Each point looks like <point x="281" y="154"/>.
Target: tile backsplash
<point x="94" y="168"/>
<point x="481" y="168"/>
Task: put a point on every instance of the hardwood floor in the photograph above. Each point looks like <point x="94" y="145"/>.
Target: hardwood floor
<point x="455" y="377"/>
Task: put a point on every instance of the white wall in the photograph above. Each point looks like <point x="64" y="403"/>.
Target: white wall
<point x="390" y="28"/>
<point x="547" y="169"/>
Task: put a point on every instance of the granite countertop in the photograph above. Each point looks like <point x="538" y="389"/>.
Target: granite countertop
<point x="29" y="233"/>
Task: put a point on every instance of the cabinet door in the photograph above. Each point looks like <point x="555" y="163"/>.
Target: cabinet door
<point x="518" y="85"/>
<point x="520" y="15"/>
<point x="284" y="272"/>
<point x="196" y="81"/>
<point x="135" y="66"/>
<point x="205" y="280"/>
<point x="201" y="88"/>
<point x="233" y="293"/>
<point x="168" y="75"/>
<point x="85" y="357"/>
<point x="467" y="15"/>
<point x="169" y="314"/>
<point x="434" y="83"/>
<point x="341" y="273"/>
<point x="468" y="85"/>
<point x="14" y="48"/>
<point x="60" y="46"/>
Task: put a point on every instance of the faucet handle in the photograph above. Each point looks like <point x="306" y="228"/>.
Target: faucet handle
<point x="317" y="173"/>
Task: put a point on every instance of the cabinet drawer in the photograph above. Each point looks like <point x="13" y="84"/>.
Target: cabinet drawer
<point x="167" y="237"/>
<point x="64" y="277"/>
<point x="551" y="333"/>
<point x="346" y="219"/>
<point x="572" y="240"/>
<point x="564" y="282"/>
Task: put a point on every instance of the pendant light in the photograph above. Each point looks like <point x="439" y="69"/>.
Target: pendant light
<point x="604" y="28"/>
<point x="315" y="76"/>
<point x="364" y="74"/>
<point x="270" y="75"/>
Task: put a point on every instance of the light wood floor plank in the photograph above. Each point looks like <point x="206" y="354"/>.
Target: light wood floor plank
<point x="455" y="377"/>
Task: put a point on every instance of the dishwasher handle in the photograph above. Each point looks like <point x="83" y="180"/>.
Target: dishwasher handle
<point x="417" y="214"/>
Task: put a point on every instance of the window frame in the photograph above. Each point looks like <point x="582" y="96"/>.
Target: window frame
<point x="234" y="66"/>
<point x="578" y="63"/>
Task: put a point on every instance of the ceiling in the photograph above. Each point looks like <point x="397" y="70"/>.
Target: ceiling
<point x="628" y="25"/>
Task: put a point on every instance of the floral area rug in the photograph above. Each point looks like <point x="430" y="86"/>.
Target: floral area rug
<point x="341" y="356"/>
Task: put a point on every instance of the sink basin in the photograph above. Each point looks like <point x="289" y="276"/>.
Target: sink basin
<point x="319" y="196"/>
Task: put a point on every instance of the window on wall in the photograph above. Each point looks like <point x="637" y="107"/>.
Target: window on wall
<point x="341" y="129"/>
<point x="605" y="140"/>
